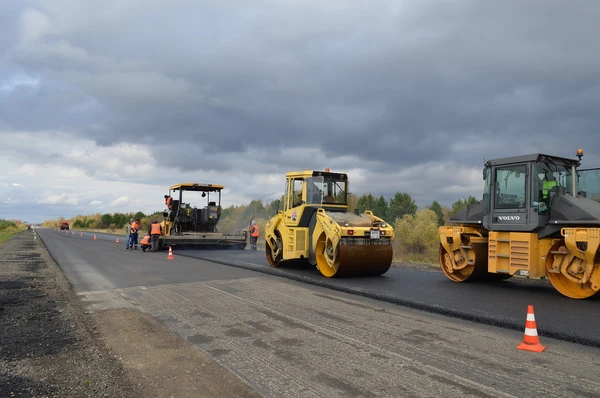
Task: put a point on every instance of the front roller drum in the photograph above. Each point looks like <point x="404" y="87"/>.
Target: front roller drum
<point x="468" y="263"/>
<point x="352" y="260"/>
<point x="568" y="275"/>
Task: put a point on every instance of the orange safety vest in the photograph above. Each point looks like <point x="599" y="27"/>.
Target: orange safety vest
<point x="134" y="226"/>
<point x="155" y="229"/>
<point x="255" y="231"/>
<point x="145" y="240"/>
<point x="169" y="202"/>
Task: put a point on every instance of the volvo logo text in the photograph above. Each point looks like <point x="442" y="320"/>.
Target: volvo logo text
<point x="509" y="218"/>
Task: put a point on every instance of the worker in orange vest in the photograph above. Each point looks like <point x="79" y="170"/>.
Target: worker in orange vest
<point x="254" y="233"/>
<point x="168" y="201"/>
<point x="132" y="239"/>
<point x="145" y="243"/>
<point x="155" y="232"/>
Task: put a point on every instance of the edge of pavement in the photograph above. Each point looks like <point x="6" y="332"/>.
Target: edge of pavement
<point x="127" y="353"/>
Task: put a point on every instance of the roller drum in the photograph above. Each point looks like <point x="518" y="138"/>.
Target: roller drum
<point x="357" y="260"/>
<point x="471" y="262"/>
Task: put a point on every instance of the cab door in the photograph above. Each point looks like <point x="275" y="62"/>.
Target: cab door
<point x="294" y="202"/>
<point x="509" y="198"/>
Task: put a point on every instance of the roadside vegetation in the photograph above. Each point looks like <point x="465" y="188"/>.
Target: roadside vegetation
<point x="415" y="229"/>
<point x="8" y="228"/>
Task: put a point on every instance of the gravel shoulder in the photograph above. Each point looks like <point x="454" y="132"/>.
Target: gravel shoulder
<point x="51" y="347"/>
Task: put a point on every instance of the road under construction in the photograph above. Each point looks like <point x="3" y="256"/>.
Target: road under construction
<point x="336" y="336"/>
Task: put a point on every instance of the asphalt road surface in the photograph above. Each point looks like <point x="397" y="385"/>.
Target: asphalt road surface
<point x="500" y="303"/>
<point x="295" y="336"/>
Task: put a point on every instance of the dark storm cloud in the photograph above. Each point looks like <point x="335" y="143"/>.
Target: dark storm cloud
<point x="394" y="82"/>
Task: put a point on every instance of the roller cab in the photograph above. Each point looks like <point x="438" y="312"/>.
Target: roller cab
<point x="315" y="225"/>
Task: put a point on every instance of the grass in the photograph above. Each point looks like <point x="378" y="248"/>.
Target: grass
<point x="7" y="233"/>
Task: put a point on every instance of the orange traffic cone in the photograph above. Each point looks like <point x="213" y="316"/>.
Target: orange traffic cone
<point x="94" y="236"/>
<point x="117" y="242"/>
<point x="531" y="341"/>
<point x="170" y="256"/>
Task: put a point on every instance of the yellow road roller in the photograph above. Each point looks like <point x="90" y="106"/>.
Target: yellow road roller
<point x="535" y="220"/>
<point x="316" y="226"/>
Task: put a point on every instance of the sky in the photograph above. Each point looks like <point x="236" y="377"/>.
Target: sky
<point x="106" y="103"/>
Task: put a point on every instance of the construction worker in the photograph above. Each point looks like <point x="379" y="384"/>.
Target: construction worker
<point x="132" y="238"/>
<point x="548" y="183"/>
<point x="155" y="232"/>
<point x="136" y="225"/>
<point x="145" y="243"/>
<point x="168" y="202"/>
<point x="128" y="229"/>
<point x="254" y="233"/>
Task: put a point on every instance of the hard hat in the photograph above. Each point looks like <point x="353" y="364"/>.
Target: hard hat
<point x="253" y="222"/>
<point x="131" y="219"/>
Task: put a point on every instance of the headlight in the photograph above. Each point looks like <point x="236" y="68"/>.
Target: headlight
<point x="383" y="225"/>
<point x="346" y="223"/>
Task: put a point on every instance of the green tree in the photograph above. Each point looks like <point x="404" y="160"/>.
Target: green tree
<point x="255" y="209"/>
<point x="400" y="204"/>
<point x="4" y="224"/>
<point x="120" y="219"/>
<point x="106" y="220"/>
<point x="417" y="236"/>
<point x="437" y="209"/>
<point x="273" y="207"/>
<point x="366" y="202"/>
<point x="381" y="207"/>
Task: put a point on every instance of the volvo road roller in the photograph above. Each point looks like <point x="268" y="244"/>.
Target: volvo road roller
<point x="188" y="226"/>
<point x="315" y="226"/>
<point x="534" y="221"/>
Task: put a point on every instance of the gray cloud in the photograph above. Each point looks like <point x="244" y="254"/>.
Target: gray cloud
<point x="387" y="84"/>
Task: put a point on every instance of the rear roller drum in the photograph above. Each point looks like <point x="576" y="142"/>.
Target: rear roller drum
<point x="351" y="260"/>
<point x="567" y="273"/>
<point x="468" y="263"/>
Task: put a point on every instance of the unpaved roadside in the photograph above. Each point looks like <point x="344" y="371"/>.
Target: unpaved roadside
<point x="50" y="347"/>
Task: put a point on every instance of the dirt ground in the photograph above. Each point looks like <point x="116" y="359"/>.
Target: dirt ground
<point x="50" y="347"/>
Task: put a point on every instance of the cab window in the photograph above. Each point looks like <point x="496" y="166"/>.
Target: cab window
<point x="297" y="192"/>
<point x="510" y="186"/>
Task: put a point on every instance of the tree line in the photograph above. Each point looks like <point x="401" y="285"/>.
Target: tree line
<point x="416" y="229"/>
